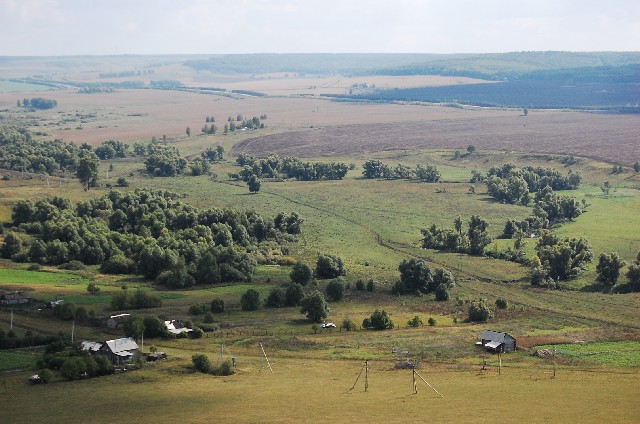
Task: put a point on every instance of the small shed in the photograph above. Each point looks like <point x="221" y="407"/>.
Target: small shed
<point x="176" y="327"/>
<point x="91" y="347"/>
<point x="117" y="321"/>
<point x="497" y="342"/>
<point x="119" y="351"/>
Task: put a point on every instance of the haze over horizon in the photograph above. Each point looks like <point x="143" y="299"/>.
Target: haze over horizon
<point x="75" y="27"/>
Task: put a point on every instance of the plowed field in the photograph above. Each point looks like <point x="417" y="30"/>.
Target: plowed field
<point x="612" y="138"/>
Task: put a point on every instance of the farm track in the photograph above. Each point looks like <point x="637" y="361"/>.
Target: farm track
<point x="398" y="248"/>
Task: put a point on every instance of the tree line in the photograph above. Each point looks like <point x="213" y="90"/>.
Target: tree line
<point x="273" y="166"/>
<point x="38" y="103"/>
<point x="376" y="169"/>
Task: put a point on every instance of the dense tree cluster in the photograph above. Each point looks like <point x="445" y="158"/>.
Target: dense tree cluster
<point x="549" y="209"/>
<point x="165" y="161"/>
<point x="376" y="169"/>
<point x="213" y="154"/>
<point x="73" y="363"/>
<point x="149" y="232"/>
<point x="39" y="103"/>
<point x="289" y="167"/>
<point x="510" y="184"/>
<point x="416" y="277"/>
<point x="329" y="266"/>
<point x="20" y="152"/>
<point x="472" y="242"/>
<point x="558" y="260"/>
<point x="112" y="149"/>
<point x="379" y="320"/>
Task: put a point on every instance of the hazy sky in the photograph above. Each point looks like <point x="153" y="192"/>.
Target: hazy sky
<point x="73" y="27"/>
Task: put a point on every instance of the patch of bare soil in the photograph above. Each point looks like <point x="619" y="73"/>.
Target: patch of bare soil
<point x="612" y="138"/>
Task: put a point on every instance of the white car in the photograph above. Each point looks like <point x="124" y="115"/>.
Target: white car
<point x="328" y="325"/>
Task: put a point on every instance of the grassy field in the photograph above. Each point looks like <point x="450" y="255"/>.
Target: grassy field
<point x="298" y="390"/>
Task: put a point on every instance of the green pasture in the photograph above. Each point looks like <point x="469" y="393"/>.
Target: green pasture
<point x="616" y="354"/>
<point x="17" y="360"/>
<point x="22" y="277"/>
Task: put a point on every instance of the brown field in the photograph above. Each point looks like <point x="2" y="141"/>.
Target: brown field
<point x="612" y="138"/>
<point x="314" y="127"/>
<point x="129" y="115"/>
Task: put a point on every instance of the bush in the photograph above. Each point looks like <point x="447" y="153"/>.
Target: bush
<point x="371" y="285"/>
<point x="301" y="273"/>
<point x="276" y="298"/>
<point x="250" y="300"/>
<point x="197" y="333"/>
<point x="335" y="290"/>
<point x="379" y="320"/>
<point x="45" y="375"/>
<point x="117" y="264"/>
<point x="223" y="369"/>
<point x="479" y="312"/>
<point x="442" y="293"/>
<point x="208" y="318"/>
<point x="73" y="266"/>
<point x="201" y="362"/>
<point x="415" y="322"/>
<point x="198" y="309"/>
<point x="502" y="303"/>
<point x="217" y="306"/>
<point x="397" y="288"/>
<point x="348" y="325"/>
<point x="360" y="285"/>
<point x="431" y="321"/>
<point x="330" y="266"/>
<point x="294" y="294"/>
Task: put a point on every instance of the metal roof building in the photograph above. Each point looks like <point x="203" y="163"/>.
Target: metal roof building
<point x="497" y="342"/>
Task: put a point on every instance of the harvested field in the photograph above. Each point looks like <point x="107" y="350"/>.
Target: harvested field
<point x="129" y="115"/>
<point x="612" y="138"/>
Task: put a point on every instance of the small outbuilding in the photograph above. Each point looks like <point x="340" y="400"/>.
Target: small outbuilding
<point x="176" y="327"/>
<point x="497" y="342"/>
<point x="91" y="347"/>
<point x="117" y="321"/>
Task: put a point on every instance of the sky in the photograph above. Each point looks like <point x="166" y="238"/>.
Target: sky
<point x="113" y="27"/>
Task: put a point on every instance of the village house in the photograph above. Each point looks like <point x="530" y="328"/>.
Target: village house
<point x="497" y="342"/>
<point x="14" y="298"/>
<point x="119" y="351"/>
<point x="117" y="321"/>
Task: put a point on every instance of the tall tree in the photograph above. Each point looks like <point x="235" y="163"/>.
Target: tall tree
<point x="608" y="268"/>
<point x="87" y="170"/>
<point x="315" y="307"/>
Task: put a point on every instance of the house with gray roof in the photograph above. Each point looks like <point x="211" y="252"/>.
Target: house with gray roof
<point x="497" y="342"/>
<point x="119" y="351"/>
